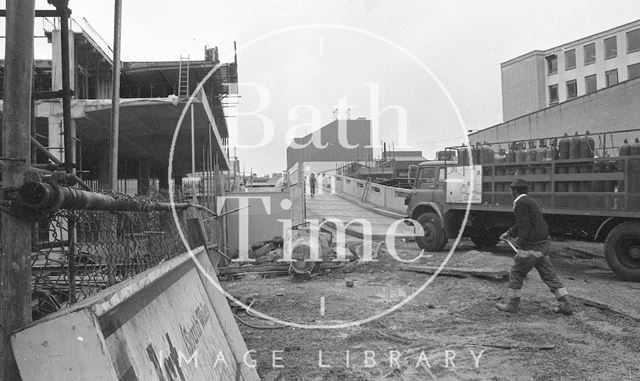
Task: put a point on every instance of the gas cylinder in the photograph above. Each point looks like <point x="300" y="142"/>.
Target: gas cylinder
<point x="522" y="154"/>
<point x="487" y="154"/>
<point x="625" y="148"/>
<point x="635" y="148"/>
<point x="574" y="147"/>
<point x="552" y="154"/>
<point x="542" y="153"/>
<point x="563" y="147"/>
<point x="463" y="156"/>
<point x="475" y="155"/>
<point x="587" y="147"/>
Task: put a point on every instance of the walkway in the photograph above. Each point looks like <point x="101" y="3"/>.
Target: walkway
<point x="326" y="206"/>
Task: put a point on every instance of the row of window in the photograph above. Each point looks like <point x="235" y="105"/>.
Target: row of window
<point x="591" y="83"/>
<point x="610" y="51"/>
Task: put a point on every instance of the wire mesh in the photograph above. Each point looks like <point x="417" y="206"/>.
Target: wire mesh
<point x="77" y="253"/>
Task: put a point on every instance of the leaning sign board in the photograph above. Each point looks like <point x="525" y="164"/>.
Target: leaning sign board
<point x="459" y="180"/>
<point x="168" y="323"/>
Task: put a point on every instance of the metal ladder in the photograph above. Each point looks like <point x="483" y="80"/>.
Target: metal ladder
<point x="183" y="78"/>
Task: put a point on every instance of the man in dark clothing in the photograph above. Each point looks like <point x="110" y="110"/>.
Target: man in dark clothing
<point x="531" y="233"/>
<point x="312" y="184"/>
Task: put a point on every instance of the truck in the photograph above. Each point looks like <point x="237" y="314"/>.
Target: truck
<point x="586" y="193"/>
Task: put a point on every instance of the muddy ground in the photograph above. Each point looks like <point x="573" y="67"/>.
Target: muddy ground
<point x="451" y="330"/>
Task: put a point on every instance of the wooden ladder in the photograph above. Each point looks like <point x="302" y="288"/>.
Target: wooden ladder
<point x="183" y="77"/>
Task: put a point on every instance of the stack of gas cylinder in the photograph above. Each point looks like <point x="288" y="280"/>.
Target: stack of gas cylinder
<point x="478" y="154"/>
<point x="626" y="149"/>
<point x="630" y="149"/>
<point x="576" y="147"/>
<point x="565" y="148"/>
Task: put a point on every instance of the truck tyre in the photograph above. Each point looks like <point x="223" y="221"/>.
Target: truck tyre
<point x="622" y="250"/>
<point x="434" y="238"/>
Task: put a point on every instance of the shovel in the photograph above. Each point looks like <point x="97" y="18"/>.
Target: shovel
<point x="510" y="244"/>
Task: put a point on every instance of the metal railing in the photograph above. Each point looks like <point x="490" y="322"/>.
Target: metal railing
<point x="51" y="24"/>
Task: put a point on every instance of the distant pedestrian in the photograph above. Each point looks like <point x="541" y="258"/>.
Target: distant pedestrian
<point x="312" y="184"/>
<point x="531" y="234"/>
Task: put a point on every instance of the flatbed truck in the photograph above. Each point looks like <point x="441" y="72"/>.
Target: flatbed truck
<point x="593" y="198"/>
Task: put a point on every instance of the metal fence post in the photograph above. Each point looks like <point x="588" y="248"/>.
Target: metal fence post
<point x="15" y="266"/>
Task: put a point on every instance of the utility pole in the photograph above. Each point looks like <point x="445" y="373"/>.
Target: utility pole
<point x="15" y="266"/>
<point x="115" y="97"/>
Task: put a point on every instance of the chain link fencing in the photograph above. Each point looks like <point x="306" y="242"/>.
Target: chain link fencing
<point x="77" y="253"/>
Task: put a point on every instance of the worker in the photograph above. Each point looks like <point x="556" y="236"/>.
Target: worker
<point x="312" y="184"/>
<point x="531" y="234"/>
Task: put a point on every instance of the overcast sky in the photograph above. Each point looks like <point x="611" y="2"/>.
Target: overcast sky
<point x="377" y="43"/>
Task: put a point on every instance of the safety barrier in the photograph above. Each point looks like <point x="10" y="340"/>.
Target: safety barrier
<point x="381" y="196"/>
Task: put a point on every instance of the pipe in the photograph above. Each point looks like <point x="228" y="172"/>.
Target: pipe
<point x="62" y="7"/>
<point x="115" y="98"/>
<point x="45" y="197"/>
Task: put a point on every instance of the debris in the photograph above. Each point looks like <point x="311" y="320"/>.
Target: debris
<point x="349" y="283"/>
<point x="458" y="271"/>
<point x="605" y="307"/>
<point x="268" y="269"/>
<point x="595" y="304"/>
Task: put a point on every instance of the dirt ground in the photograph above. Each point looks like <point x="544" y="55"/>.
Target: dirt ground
<point x="451" y="330"/>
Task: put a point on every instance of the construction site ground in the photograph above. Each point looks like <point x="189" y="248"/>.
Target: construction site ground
<point x="452" y="316"/>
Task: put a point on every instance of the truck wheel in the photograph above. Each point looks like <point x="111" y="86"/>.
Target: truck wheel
<point x="434" y="238"/>
<point x="622" y="250"/>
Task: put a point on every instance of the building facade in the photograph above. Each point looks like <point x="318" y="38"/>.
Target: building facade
<point x="540" y="79"/>
<point x="343" y="140"/>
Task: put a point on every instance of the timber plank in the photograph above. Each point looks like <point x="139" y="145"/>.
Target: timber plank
<point x="458" y="271"/>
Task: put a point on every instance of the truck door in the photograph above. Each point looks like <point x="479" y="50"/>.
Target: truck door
<point x="439" y="193"/>
<point x="426" y="183"/>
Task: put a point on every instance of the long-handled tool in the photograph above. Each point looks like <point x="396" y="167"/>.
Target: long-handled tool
<point x="510" y="244"/>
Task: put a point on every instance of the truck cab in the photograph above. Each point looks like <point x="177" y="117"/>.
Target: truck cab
<point x="426" y="202"/>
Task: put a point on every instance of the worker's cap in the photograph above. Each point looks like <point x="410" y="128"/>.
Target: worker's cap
<point x="519" y="183"/>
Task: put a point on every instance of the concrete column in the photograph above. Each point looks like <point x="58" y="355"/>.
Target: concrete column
<point x="56" y="73"/>
<point x="143" y="176"/>
<point x="56" y="139"/>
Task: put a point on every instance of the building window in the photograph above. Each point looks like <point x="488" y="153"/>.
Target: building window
<point x="570" y="59"/>
<point x="572" y="89"/>
<point x="590" y="84"/>
<point x="552" y="64"/>
<point x="611" y="77"/>
<point x="590" y="53"/>
<point x="633" y="40"/>
<point x="634" y="71"/>
<point x="610" y="47"/>
<point x="553" y="94"/>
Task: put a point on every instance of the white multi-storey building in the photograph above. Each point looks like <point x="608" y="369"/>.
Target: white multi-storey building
<point x="540" y="79"/>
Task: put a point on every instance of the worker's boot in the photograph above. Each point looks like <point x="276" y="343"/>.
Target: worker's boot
<point x="510" y="306"/>
<point x="564" y="306"/>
